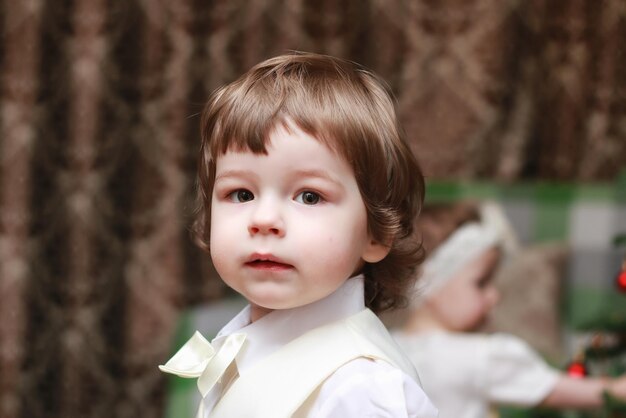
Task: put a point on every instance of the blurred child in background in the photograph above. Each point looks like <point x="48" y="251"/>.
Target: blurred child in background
<point x="462" y="371"/>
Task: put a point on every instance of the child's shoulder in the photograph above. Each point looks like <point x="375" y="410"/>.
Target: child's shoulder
<point x="461" y="344"/>
<point x="457" y="337"/>
<point x="444" y="338"/>
<point x="365" y="386"/>
<point x="496" y="348"/>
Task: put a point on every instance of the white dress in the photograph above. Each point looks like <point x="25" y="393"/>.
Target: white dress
<point x="464" y="373"/>
<point x="360" y="388"/>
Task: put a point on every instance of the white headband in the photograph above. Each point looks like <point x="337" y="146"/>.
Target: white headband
<point x="463" y="246"/>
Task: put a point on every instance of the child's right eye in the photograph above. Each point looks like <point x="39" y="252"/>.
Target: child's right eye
<point x="484" y="281"/>
<point x="240" y="196"/>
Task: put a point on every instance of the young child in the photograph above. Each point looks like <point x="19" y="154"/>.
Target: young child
<point x="307" y="197"/>
<point x="464" y="372"/>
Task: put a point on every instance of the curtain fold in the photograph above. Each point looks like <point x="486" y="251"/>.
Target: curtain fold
<point x="20" y="61"/>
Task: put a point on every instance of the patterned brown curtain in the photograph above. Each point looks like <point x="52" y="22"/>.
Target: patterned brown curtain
<point x="99" y="130"/>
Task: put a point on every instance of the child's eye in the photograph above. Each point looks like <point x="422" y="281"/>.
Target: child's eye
<point x="484" y="282"/>
<point x="240" y="196"/>
<point x="308" y="198"/>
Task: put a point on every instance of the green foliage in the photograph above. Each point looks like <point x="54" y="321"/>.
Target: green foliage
<point x="546" y="413"/>
<point x="596" y="309"/>
<point x="615" y="408"/>
<point x="613" y="361"/>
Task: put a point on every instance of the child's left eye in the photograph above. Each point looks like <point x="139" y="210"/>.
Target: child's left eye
<point x="308" y="198"/>
<point x="240" y="196"/>
<point x="484" y="282"/>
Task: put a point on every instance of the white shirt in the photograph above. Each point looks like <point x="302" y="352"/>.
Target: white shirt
<point x="464" y="373"/>
<point x="361" y="388"/>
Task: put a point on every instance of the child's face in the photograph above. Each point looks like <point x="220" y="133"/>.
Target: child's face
<point x="465" y="301"/>
<point x="288" y="228"/>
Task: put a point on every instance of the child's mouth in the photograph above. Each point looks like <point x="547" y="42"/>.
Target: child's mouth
<point x="268" y="265"/>
<point x="267" y="262"/>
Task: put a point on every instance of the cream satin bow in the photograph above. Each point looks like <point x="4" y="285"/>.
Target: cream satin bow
<point x="198" y="358"/>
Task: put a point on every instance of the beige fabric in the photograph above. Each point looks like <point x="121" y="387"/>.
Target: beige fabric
<point x="281" y="384"/>
<point x="531" y="286"/>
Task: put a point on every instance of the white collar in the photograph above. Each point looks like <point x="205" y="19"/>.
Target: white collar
<point x="279" y="327"/>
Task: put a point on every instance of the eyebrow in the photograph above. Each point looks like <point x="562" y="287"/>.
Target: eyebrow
<point x="310" y="173"/>
<point x="235" y="174"/>
<point x="317" y="173"/>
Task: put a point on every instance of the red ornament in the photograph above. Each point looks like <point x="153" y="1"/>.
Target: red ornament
<point x="621" y="281"/>
<point x="577" y="369"/>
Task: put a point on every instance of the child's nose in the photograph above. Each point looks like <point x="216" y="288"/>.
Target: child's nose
<point x="266" y="219"/>
<point x="265" y="229"/>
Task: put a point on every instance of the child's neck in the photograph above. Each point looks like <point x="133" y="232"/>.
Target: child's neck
<point x="422" y="321"/>
<point x="257" y="312"/>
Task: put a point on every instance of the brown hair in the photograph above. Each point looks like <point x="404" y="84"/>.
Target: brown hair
<point x="351" y="111"/>
<point x="439" y="220"/>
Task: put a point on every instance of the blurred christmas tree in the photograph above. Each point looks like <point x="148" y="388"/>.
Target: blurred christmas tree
<point x="611" y="355"/>
<point x="602" y="355"/>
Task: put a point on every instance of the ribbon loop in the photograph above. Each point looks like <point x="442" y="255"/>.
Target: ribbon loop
<point x="220" y="362"/>
<point x="191" y="359"/>
<point x="197" y="358"/>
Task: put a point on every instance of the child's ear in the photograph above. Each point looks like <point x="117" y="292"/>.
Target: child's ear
<point x="375" y="251"/>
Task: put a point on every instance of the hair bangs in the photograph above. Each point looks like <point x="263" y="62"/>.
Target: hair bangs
<point x="323" y="101"/>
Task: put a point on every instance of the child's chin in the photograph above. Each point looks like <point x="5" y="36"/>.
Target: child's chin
<point x="272" y="301"/>
<point x="478" y="326"/>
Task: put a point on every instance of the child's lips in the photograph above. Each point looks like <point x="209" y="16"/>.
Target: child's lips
<point x="268" y="265"/>
<point x="267" y="262"/>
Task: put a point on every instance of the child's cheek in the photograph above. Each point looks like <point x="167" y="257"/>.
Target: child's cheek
<point x="222" y="239"/>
